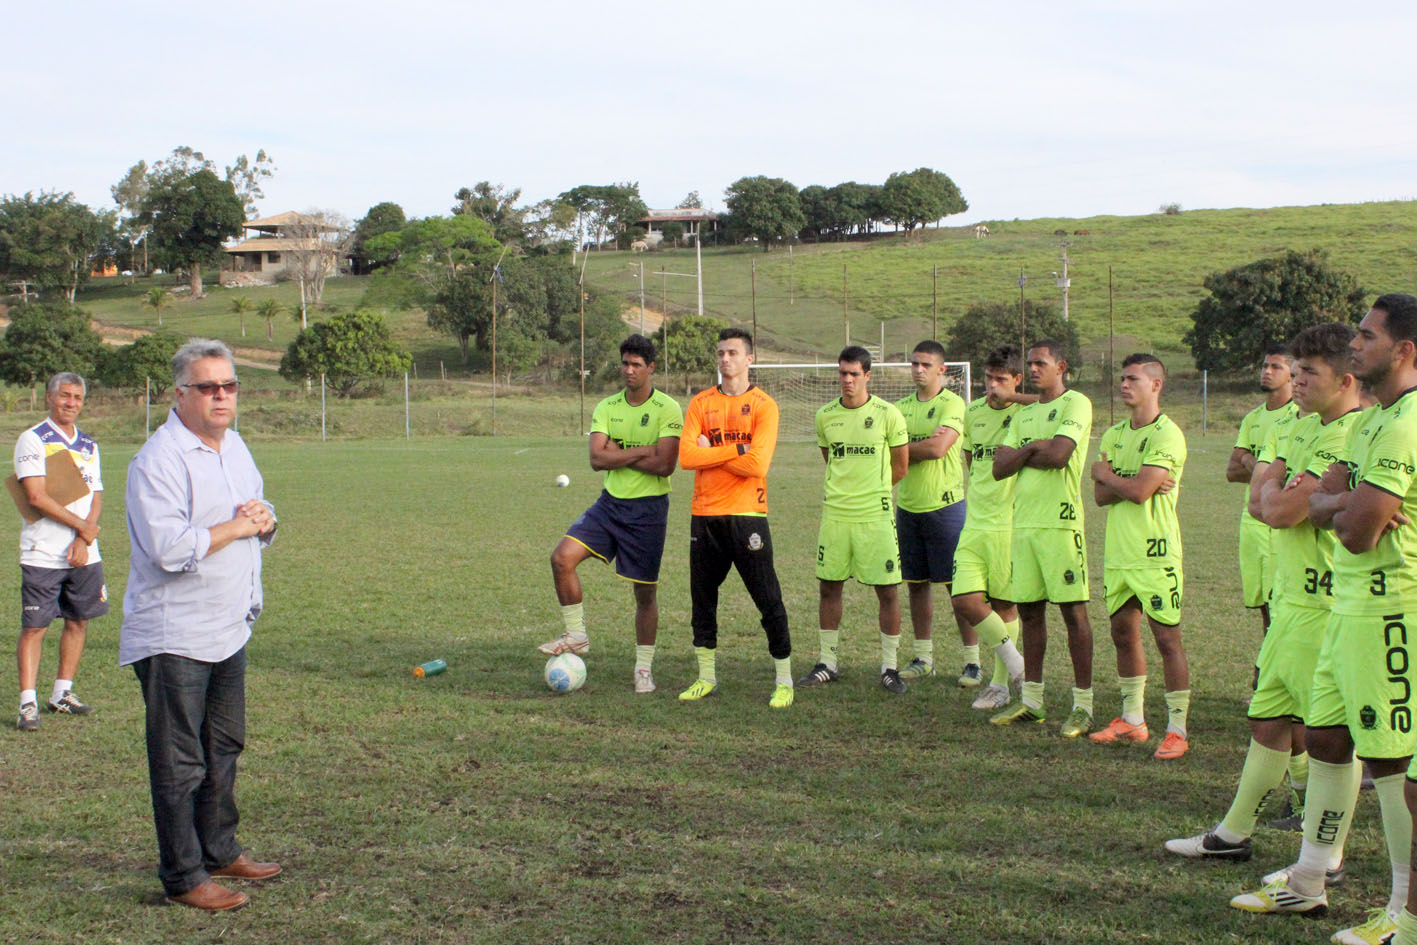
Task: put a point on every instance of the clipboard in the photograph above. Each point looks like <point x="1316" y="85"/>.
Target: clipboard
<point x="62" y="481"/>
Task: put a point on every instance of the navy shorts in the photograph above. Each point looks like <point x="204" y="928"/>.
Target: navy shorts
<point x="928" y="541"/>
<point x="629" y="532"/>
<point x="71" y="593"/>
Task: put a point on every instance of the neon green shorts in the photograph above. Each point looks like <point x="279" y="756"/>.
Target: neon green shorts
<point x="866" y="551"/>
<point x="1158" y="590"/>
<point x="1256" y="563"/>
<point x="1363" y="680"/>
<point x="982" y="564"/>
<point x="1286" y="662"/>
<point x="1048" y="564"/>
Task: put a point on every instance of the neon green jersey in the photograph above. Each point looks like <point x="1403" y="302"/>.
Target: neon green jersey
<point x="1146" y="534"/>
<point x="858" y="442"/>
<point x="1279" y="433"/>
<point x="1253" y="431"/>
<point x="932" y="483"/>
<point x="1051" y="498"/>
<point x="1303" y="554"/>
<point x="1383" y="454"/>
<point x="658" y="417"/>
<point x="991" y="501"/>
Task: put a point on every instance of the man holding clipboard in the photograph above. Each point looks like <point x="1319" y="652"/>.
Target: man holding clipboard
<point x="59" y="492"/>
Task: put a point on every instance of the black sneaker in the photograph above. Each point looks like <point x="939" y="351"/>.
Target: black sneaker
<point x="819" y="676"/>
<point x="970" y="676"/>
<point x="891" y="681"/>
<point x="1292" y="816"/>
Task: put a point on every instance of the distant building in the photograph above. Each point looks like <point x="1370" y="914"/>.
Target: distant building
<point x="694" y="220"/>
<point x="271" y="244"/>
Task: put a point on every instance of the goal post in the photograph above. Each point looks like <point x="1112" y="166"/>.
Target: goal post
<point x="801" y="389"/>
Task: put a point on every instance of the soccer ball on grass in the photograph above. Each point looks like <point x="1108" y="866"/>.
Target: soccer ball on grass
<point x="564" y="673"/>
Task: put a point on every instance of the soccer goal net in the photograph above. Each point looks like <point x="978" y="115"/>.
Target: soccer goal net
<point x="801" y="389"/>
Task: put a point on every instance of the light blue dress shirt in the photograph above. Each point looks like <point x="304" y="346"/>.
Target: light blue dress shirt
<point x="179" y="599"/>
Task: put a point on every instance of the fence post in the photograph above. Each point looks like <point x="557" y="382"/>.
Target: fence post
<point x="147" y="407"/>
<point x="1205" y="391"/>
<point x="322" y="406"/>
<point x="407" y="428"/>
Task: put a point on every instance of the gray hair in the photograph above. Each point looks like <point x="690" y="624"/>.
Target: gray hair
<point x="62" y="378"/>
<point x="195" y="350"/>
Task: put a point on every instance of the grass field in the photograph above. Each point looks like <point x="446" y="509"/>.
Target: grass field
<point x="476" y="806"/>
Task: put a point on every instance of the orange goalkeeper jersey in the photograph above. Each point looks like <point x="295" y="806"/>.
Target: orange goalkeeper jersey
<point x="730" y="473"/>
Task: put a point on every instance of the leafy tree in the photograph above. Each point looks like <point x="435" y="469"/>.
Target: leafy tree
<point x="245" y="176"/>
<point x="129" y="193"/>
<point x="382" y="218"/>
<point x="768" y="208"/>
<point x="691" y="201"/>
<point x="497" y="206"/>
<point x="147" y="359"/>
<point x="189" y="216"/>
<point x="816" y="211"/>
<point x="873" y="206"/>
<point x="987" y="325"/>
<point x="690" y="342"/>
<point x="157" y="299"/>
<point x="45" y="338"/>
<point x="612" y="208"/>
<point x="270" y="310"/>
<point x="914" y="198"/>
<point x="50" y="240"/>
<point x="673" y="232"/>
<point x="239" y="307"/>
<point x="351" y="350"/>
<point x="1270" y="300"/>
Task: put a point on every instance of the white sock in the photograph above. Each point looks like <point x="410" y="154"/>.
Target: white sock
<point x="61" y="686"/>
<point x="27" y="695"/>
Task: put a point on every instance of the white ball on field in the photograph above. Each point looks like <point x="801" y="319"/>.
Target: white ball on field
<point x="563" y="480"/>
<point x="564" y="673"/>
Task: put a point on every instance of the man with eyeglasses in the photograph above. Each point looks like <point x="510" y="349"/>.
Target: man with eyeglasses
<point x="198" y="520"/>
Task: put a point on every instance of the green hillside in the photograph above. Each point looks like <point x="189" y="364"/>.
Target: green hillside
<point x="1158" y="265"/>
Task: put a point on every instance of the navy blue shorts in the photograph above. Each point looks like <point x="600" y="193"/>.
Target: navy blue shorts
<point x="928" y="541"/>
<point x="629" y="532"/>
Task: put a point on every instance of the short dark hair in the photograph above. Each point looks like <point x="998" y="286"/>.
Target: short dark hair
<point x="1005" y="358"/>
<point x="1142" y="357"/>
<point x="1055" y="348"/>
<point x="1328" y="342"/>
<point x="932" y="348"/>
<point x="728" y="334"/>
<point x="1401" y="310"/>
<point x="640" y="345"/>
<point x="855" y="354"/>
<point x="1277" y="347"/>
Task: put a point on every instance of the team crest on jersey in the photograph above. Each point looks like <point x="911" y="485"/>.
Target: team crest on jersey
<point x="1155" y="601"/>
<point x="1368" y="717"/>
<point x="1052" y="415"/>
<point x="931" y="414"/>
<point x="746" y="410"/>
<point x="644" y="421"/>
<point x="1069" y="577"/>
<point x="755" y="542"/>
<point x="1141" y="447"/>
<point x="838" y="450"/>
<point x="1007" y="421"/>
<point x="869" y="421"/>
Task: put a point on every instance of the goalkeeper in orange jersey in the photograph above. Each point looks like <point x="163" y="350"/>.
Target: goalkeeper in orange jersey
<point x="730" y="433"/>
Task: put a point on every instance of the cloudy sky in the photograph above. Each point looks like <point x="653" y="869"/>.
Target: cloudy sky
<point x="1035" y="109"/>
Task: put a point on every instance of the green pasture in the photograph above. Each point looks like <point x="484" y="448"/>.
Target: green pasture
<point x="476" y="806"/>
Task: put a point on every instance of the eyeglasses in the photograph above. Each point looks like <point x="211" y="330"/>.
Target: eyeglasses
<point x="209" y="388"/>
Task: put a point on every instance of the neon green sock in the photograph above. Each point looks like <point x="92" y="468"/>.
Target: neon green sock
<point x="991" y="630"/>
<point x="1299" y="770"/>
<point x="925" y="650"/>
<point x="1397" y="829"/>
<point x="706" y="659"/>
<point x="1133" y="699"/>
<point x="1178" y="706"/>
<point x="1082" y="699"/>
<point x="573" y="616"/>
<point x="1014" y="629"/>
<point x="1001" y="672"/>
<point x="1263" y="772"/>
<point x="971" y="654"/>
<point x="644" y="656"/>
<point x="783" y="670"/>
<point x="830" y="643"/>
<point x="1406" y="929"/>
<point x="890" y="647"/>
<point x="1033" y="694"/>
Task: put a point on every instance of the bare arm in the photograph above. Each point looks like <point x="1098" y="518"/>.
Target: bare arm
<point x="1110" y="488"/>
<point x="1288" y="505"/>
<point x="85" y="528"/>
<point x="1052" y="454"/>
<point x="1331" y="495"/>
<point x="663" y="456"/>
<point x="825" y="459"/>
<point x="1008" y="460"/>
<point x="1257" y="479"/>
<point x="78" y="553"/>
<point x="1368" y="515"/>
<point x="605" y="453"/>
<point x="1241" y="465"/>
<point x="900" y="462"/>
<point x="934" y="446"/>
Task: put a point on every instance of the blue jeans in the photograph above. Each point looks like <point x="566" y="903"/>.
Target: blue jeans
<point x="196" y="728"/>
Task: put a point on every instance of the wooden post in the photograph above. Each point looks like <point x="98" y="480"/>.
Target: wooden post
<point x="934" y="301"/>
<point x="755" y="301"/>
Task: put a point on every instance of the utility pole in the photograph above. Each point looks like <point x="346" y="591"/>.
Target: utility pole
<point x="755" y="302"/>
<point x="1064" y="282"/>
<point x="642" y="297"/>
<point x="934" y="301"/>
<point x="1022" y="315"/>
<point x="845" y="321"/>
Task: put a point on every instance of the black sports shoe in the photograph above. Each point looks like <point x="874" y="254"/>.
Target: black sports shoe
<point x="1292" y="816"/>
<point x="819" y="676"/>
<point x="891" y="681"/>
